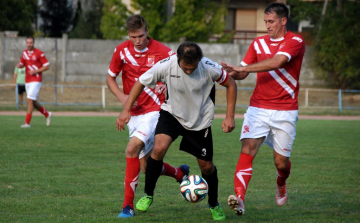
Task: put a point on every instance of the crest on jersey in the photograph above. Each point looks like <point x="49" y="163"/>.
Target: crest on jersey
<point x="282" y="45"/>
<point x="150" y="61"/>
<point x="33" y="57"/>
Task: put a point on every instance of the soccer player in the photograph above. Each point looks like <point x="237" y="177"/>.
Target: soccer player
<point x="133" y="58"/>
<point x="273" y="111"/>
<point x="19" y="80"/>
<point x="188" y="112"/>
<point x="35" y="63"/>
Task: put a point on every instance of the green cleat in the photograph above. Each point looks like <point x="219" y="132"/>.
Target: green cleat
<point x="144" y="203"/>
<point x="217" y="213"/>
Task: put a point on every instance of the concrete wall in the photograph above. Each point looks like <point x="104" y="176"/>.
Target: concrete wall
<point x="87" y="61"/>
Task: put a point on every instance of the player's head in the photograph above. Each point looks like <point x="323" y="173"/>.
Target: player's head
<point x="30" y="41"/>
<point x="137" y="31"/>
<point x="189" y="55"/>
<point x="276" y="16"/>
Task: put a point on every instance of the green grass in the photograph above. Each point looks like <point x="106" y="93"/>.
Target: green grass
<point x="73" y="171"/>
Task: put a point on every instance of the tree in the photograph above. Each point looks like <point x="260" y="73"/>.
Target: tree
<point x="56" y="16"/>
<point x="113" y="22"/>
<point x="154" y="11"/>
<point x="17" y="15"/>
<point x="336" y="36"/>
<point x="195" y="20"/>
<point x="87" y="22"/>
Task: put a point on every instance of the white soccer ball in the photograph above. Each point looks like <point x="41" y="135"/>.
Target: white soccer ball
<point x="194" y="188"/>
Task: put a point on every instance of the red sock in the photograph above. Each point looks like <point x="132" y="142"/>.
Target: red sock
<point x="131" y="180"/>
<point x="28" y="118"/>
<point x="171" y="171"/>
<point x="283" y="175"/>
<point x="243" y="174"/>
<point x="43" y="111"/>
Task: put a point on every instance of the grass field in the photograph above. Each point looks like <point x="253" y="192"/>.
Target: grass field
<point x="73" y="171"/>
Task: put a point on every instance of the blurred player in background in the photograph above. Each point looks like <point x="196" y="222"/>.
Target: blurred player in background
<point x="35" y="63"/>
<point x="273" y="110"/>
<point x="188" y="112"/>
<point x="133" y="58"/>
<point x="19" y="81"/>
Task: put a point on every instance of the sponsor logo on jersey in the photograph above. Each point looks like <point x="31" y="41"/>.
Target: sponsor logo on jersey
<point x="151" y="61"/>
<point x="297" y="38"/>
<point x="164" y="60"/>
<point x="140" y="55"/>
<point x="175" y="76"/>
<point x="274" y="44"/>
<point x="209" y="63"/>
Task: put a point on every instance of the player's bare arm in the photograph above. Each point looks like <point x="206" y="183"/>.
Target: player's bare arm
<point x="114" y="88"/>
<point x="124" y="116"/>
<point x="41" y="69"/>
<point x="228" y="124"/>
<point x="20" y="65"/>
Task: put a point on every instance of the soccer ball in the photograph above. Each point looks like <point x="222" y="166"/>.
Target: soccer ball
<point x="194" y="188"/>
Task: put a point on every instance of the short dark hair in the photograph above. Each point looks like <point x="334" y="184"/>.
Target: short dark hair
<point x="189" y="52"/>
<point x="280" y="9"/>
<point x="135" y="22"/>
<point x="31" y="37"/>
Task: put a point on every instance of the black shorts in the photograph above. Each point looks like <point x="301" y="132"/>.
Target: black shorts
<point x="197" y="143"/>
<point x="21" y="88"/>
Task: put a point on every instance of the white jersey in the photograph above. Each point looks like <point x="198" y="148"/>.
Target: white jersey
<point x="188" y="95"/>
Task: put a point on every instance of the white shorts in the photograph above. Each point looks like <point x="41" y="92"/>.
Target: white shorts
<point x="279" y="128"/>
<point x="32" y="90"/>
<point x="143" y="127"/>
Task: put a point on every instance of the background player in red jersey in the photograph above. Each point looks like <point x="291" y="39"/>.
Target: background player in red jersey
<point x="273" y="111"/>
<point x="133" y="58"/>
<point x="35" y="63"/>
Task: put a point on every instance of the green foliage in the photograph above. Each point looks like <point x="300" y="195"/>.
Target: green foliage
<point x="17" y="15"/>
<point x="73" y="171"/>
<point x="196" y="20"/>
<point x="113" y="21"/>
<point x="154" y="11"/>
<point x="336" y="39"/>
<point x="56" y="16"/>
<point x="87" y="23"/>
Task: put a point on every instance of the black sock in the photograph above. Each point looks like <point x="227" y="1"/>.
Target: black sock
<point x="213" y="182"/>
<point x="153" y="171"/>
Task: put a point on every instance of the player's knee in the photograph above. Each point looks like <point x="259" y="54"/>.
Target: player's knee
<point x="207" y="168"/>
<point x="281" y="164"/>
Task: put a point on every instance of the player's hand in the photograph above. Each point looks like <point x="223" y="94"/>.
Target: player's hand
<point x="32" y="72"/>
<point x="228" y="125"/>
<point x="122" y="120"/>
<point x="160" y="88"/>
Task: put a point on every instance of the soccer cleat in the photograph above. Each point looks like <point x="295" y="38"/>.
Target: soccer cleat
<point x="217" y="213"/>
<point x="144" y="203"/>
<point x="127" y="212"/>
<point x="237" y="204"/>
<point x="48" y="119"/>
<point x="25" y="126"/>
<point x="281" y="195"/>
<point x="186" y="170"/>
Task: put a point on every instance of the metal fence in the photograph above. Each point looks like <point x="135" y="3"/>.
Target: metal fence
<point x="100" y="95"/>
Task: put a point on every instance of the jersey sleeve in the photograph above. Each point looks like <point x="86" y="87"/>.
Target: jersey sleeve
<point x="43" y="60"/>
<point x="215" y="70"/>
<point x="116" y="63"/>
<point x="250" y="56"/>
<point x="292" y="47"/>
<point x="156" y="74"/>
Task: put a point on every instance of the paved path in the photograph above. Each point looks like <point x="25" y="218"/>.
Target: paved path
<point x="115" y="114"/>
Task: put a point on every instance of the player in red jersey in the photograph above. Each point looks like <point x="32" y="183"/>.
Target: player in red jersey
<point x="273" y="110"/>
<point x="133" y="58"/>
<point x="35" y="63"/>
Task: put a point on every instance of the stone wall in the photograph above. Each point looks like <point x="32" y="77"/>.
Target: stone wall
<point x="86" y="61"/>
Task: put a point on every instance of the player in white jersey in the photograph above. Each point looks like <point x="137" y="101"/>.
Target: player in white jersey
<point x="273" y="110"/>
<point x="188" y="112"/>
<point x="132" y="58"/>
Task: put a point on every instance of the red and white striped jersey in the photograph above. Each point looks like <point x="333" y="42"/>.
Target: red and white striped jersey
<point x="133" y="63"/>
<point x="277" y="89"/>
<point x="33" y="60"/>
